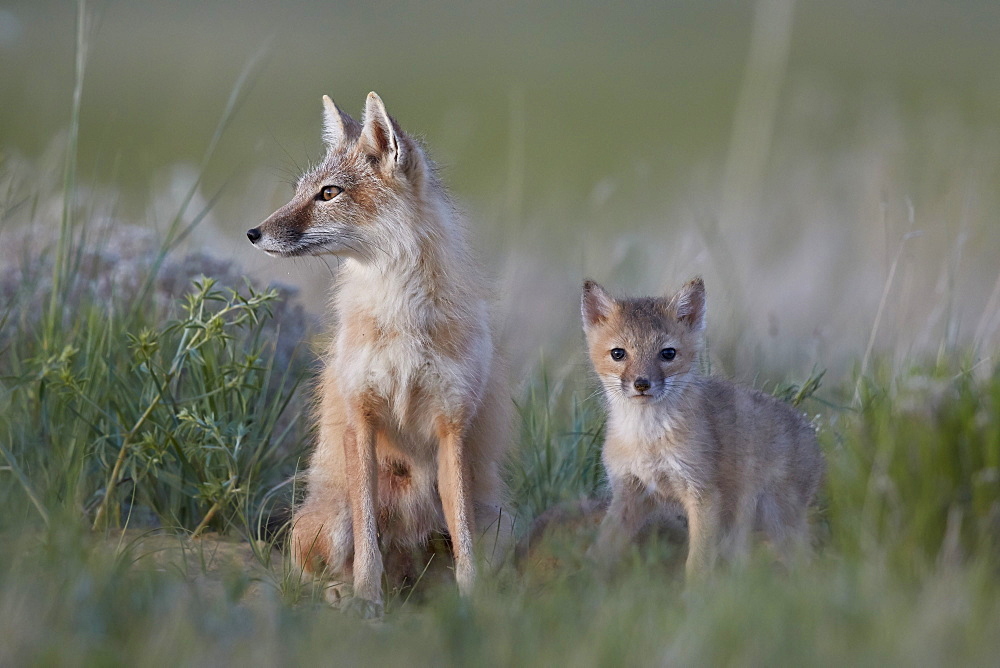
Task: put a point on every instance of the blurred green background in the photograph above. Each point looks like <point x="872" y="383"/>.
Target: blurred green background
<point x="782" y="149"/>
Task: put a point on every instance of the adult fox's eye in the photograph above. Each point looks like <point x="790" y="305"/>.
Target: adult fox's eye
<point x="328" y="193"/>
<point x="617" y="354"/>
<point x="668" y="354"/>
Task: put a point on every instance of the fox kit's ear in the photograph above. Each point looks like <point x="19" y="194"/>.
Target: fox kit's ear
<point x="689" y="304"/>
<point x="337" y="126"/>
<point x="596" y="305"/>
<point x="381" y="138"/>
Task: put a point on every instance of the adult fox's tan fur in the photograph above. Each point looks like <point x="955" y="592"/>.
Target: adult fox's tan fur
<point x="736" y="459"/>
<point x="413" y="404"/>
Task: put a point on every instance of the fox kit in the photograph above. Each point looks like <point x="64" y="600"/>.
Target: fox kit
<point x="413" y="404"/>
<point x="736" y="460"/>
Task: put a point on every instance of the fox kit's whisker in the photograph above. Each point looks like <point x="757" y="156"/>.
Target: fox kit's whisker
<point x="736" y="460"/>
<point x="413" y="405"/>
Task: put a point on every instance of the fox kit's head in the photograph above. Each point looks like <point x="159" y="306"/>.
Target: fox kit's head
<point x="643" y="349"/>
<point x="353" y="202"/>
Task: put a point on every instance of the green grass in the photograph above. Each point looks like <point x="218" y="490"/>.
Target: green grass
<point x="559" y="455"/>
<point x="181" y="414"/>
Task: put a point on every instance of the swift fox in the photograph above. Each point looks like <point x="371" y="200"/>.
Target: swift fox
<point x="413" y="404"/>
<point x="736" y="460"/>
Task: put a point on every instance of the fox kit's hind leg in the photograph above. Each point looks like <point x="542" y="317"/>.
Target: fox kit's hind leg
<point x="786" y="525"/>
<point x="456" y="500"/>
<point x="735" y="539"/>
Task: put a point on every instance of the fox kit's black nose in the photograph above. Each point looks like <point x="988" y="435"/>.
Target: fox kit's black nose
<point x="253" y="235"/>
<point x="641" y="384"/>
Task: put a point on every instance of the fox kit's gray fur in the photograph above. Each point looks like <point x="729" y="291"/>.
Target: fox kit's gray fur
<point x="736" y="459"/>
<point x="413" y="405"/>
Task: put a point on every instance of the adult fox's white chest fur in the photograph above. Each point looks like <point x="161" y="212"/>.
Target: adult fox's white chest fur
<point x="737" y="460"/>
<point x="413" y="405"/>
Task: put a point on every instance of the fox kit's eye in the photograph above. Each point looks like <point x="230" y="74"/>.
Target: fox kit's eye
<point x="668" y="354"/>
<point x="328" y="193"/>
<point x="617" y="354"/>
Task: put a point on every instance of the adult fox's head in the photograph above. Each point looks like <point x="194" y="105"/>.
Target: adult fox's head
<point x="360" y="199"/>
<point x="644" y="349"/>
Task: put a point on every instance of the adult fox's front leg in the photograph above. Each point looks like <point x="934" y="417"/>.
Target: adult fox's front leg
<point x="362" y="479"/>
<point x="453" y="486"/>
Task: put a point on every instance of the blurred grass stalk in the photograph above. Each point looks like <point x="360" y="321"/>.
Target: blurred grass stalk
<point x="866" y="358"/>
<point x="753" y="129"/>
<point x="64" y="242"/>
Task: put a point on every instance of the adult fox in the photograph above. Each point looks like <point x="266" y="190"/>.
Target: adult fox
<point x="413" y="405"/>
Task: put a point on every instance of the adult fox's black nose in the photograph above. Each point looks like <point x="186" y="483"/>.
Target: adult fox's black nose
<point x="641" y="384"/>
<point x="253" y="235"/>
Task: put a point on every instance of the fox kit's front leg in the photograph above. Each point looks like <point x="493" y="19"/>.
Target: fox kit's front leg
<point x="629" y="511"/>
<point x="703" y="536"/>
<point x="453" y="486"/>
<point x="362" y="480"/>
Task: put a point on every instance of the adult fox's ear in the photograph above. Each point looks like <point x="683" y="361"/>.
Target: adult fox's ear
<point x="337" y="126"/>
<point x="596" y="305"/>
<point x="382" y="139"/>
<point x="689" y="304"/>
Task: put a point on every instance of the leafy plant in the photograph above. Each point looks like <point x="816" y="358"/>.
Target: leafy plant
<point x="181" y="420"/>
